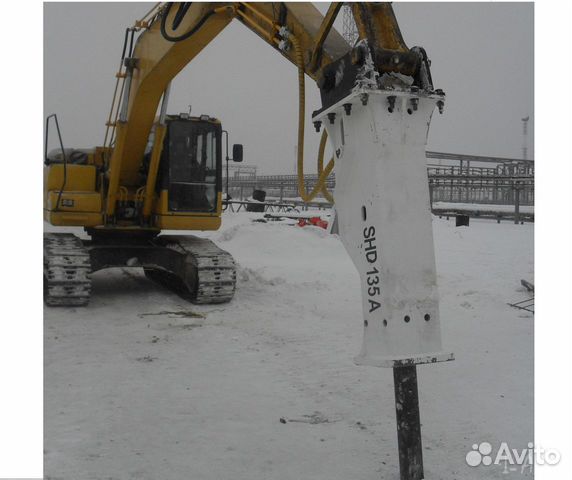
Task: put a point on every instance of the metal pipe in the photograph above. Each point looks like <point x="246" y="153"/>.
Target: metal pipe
<point x="408" y="423"/>
<point x="226" y="132"/>
<point x="164" y="103"/>
<point x="139" y="22"/>
<point x="116" y="117"/>
<point x="115" y="169"/>
<point x="261" y="15"/>
<point x="125" y="97"/>
<point x="108" y="124"/>
<point x="516" y="203"/>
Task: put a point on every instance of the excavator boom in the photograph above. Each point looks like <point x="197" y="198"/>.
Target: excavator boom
<point x="179" y="32"/>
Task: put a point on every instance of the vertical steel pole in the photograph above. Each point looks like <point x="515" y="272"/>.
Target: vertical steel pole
<point x="516" y="203"/>
<point x="408" y="423"/>
<point x="227" y="197"/>
<point x="164" y="104"/>
<point x="525" y="137"/>
<point x="227" y="159"/>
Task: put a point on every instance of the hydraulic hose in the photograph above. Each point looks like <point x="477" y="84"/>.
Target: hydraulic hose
<point x="183" y="8"/>
<point x="322" y="173"/>
<point x="324" y="188"/>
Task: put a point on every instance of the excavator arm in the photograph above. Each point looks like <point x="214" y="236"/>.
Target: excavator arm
<point x="178" y="32"/>
<point x="176" y="35"/>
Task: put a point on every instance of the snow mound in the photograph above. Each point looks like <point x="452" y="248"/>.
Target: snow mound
<point x="228" y="234"/>
<point x="317" y="231"/>
<point x="254" y="277"/>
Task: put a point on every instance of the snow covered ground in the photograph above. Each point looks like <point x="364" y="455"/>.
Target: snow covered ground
<point x="142" y="385"/>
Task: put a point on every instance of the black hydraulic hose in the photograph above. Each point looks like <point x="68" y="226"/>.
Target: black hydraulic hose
<point x="181" y="12"/>
<point x="125" y="44"/>
<point x="177" y="21"/>
<point x="46" y="161"/>
<point x="131" y="42"/>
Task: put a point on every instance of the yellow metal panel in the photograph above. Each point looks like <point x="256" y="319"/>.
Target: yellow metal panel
<point x="73" y="219"/>
<point x="162" y="207"/>
<point x="377" y="23"/>
<point x="75" y="202"/>
<point x="78" y="177"/>
<point x="187" y="222"/>
<point x="165" y="219"/>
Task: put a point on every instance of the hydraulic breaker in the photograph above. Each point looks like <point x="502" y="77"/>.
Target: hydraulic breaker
<point x="378" y="132"/>
<point x="384" y="219"/>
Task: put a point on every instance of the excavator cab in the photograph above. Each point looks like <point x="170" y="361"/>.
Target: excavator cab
<point x="191" y="164"/>
<point x="188" y="183"/>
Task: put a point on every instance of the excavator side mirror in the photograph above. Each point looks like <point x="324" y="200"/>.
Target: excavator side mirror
<point x="237" y="152"/>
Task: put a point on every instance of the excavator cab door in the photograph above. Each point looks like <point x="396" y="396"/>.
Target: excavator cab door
<point x="192" y="165"/>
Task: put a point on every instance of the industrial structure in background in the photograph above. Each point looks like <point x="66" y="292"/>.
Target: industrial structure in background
<point x="454" y="179"/>
<point x="349" y="27"/>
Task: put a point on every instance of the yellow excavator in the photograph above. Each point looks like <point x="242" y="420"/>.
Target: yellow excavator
<point x="164" y="172"/>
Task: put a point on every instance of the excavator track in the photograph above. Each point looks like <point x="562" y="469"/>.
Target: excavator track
<point x="67" y="270"/>
<point x="209" y="274"/>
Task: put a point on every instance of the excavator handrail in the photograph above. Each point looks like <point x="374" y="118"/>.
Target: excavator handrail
<point x="64" y="157"/>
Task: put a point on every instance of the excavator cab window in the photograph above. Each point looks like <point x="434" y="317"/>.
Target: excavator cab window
<point x="194" y="165"/>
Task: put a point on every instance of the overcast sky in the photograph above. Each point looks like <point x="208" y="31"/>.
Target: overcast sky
<point x="481" y="53"/>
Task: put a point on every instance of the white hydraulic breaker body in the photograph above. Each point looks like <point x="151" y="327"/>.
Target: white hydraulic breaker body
<point x="383" y="212"/>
